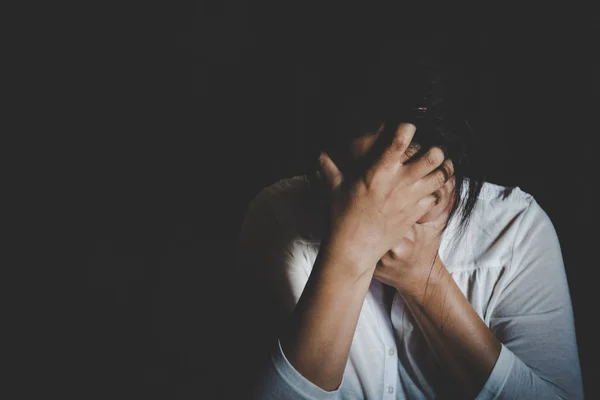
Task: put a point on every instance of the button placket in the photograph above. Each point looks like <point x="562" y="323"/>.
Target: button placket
<point x="390" y="360"/>
<point x="390" y="365"/>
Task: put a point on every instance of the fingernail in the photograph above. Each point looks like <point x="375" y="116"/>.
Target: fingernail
<point x="411" y="125"/>
<point x="445" y="150"/>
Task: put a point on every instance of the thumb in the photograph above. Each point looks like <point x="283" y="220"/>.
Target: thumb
<point x="329" y="172"/>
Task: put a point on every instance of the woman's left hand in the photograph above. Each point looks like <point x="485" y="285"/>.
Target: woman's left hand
<point x="409" y="265"/>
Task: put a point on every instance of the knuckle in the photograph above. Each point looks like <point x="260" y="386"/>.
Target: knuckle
<point x="375" y="184"/>
<point x="435" y="156"/>
<point x="427" y="201"/>
<point x="412" y="149"/>
<point x="440" y="177"/>
<point x="398" y="143"/>
<point x="407" y="128"/>
<point x="448" y="167"/>
<point x="365" y="185"/>
<point x="371" y="179"/>
<point x="436" y="197"/>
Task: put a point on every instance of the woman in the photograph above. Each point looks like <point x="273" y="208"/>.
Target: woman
<point x="395" y="271"/>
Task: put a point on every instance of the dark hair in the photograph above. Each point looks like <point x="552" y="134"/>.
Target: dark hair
<point x="415" y="81"/>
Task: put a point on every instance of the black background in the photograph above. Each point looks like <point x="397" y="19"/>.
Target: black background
<point x="196" y="107"/>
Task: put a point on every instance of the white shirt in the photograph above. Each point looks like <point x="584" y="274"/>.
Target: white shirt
<point x="508" y="264"/>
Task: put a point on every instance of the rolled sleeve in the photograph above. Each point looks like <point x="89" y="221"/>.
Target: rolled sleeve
<point x="276" y="265"/>
<point x="533" y="320"/>
<point x="282" y="381"/>
<point x="497" y="379"/>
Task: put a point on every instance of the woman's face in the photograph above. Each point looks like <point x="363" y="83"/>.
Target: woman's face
<point x="356" y="153"/>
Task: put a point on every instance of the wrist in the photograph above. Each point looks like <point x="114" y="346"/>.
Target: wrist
<point x="345" y="259"/>
<point x="418" y="285"/>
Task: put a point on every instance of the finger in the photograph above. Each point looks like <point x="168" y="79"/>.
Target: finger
<point x="410" y="152"/>
<point x="329" y="172"/>
<point x="435" y="181"/>
<point x="425" y="205"/>
<point x="424" y="165"/>
<point x="394" y="154"/>
<point x="399" y="250"/>
<point x="377" y="144"/>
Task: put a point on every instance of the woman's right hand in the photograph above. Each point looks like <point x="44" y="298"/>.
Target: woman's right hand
<point x="368" y="215"/>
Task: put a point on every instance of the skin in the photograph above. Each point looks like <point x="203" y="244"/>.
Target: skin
<point x="461" y="341"/>
<point x="360" y="148"/>
<point x="391" y="199"/>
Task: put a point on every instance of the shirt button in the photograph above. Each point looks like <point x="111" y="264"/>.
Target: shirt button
<point x="390" y="389"/>
<point x="391" y="352"/>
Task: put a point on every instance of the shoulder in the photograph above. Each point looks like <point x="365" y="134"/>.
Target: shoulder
<point x="290" y="205"/>
<point x="514" y="196"/>
<point x="284" y="191"/>
<point x="496" y="201"/>
<point x="501" y="218"/>
<point x="502" y="206"/>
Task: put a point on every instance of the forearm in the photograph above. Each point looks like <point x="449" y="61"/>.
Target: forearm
<point x="318" y="339"/>
<point x="464" y="346"/>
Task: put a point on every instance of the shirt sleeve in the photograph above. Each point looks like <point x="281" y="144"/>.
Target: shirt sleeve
<point x="276" y="266"/>
<point x="533" y="319"/>
<point x="280" y="381"/>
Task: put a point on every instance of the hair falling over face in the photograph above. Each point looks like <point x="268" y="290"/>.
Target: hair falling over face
<point x="415" y="81"/>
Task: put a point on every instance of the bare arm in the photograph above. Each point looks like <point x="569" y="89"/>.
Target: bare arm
<point x="529" y="350"/>
<point x="464" y="346"/>
<point x="317" y="341"/>
<point x="366" y="215"/>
